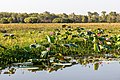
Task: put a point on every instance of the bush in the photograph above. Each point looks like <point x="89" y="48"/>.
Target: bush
<point x="4" y="20"/>
<point x="57" y="20"/>
<point x="31" y="20"/>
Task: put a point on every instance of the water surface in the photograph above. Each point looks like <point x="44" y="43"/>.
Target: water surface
<point x="106" y="71"/>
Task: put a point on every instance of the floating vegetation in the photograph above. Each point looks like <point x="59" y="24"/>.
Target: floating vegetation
<point x="65" y="41"/>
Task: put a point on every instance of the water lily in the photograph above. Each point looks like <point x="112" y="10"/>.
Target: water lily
<point x="100" y="42"/>
<point x="48" y="49"/>
<point x="98" y="34"/>
<point x="51" y="33"/>
<point x="107" y="39"/>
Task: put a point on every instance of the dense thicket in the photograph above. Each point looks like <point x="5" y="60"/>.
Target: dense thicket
<point x="47" y="17"/>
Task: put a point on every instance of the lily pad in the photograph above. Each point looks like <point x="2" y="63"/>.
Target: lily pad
<point x="63" y="64"/>
<point x="44" y="54"/>
<point x="28" y="67"/>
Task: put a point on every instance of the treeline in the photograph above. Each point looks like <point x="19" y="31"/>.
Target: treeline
<point x="47" y="17"/>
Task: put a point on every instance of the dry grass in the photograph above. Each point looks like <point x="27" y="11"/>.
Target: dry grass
<point x="114" y="27"/>
<point x="87" y="25"/>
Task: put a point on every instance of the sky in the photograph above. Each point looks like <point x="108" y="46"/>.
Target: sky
<point x="59" y="6"/>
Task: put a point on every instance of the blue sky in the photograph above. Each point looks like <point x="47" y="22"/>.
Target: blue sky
<point x="59" y="6"/>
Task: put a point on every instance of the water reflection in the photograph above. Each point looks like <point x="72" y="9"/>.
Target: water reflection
<point x="101" y="70"/>
<point x="53" y="66"/>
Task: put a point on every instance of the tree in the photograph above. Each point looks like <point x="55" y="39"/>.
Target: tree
<point x="118" y="18"/>
<point x="111" y="18"/>
<point x="84" y="19"/>
<point x="103" y="17"/>
<point x="89" y="17"/>
<point x="31" y="20"/>
<point x="10" y="20"/>
<point x="75" y="18"/>
<point x="95" y="17"/>
<point x="66" y="20"/>
<point x="57" y="20"/>
<point x="4" y="20"/>
<point x="72" y="17"/>
<point x="47" y="17"/>
<point x="64" y="15"/>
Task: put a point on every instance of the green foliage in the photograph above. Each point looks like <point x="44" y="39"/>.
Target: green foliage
<point x="63" y="41"/>
<point x="47" y="17"/>
<point x="51" y="39"/>
<point x="4" y="20"/>
<point x="57" y="20"/>
<point x="84" y="19"/>
<point x="31" y="20"/>
<point x="10" y="20"/>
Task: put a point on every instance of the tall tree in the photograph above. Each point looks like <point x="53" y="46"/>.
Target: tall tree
<point x="103" y="17"/>
<point x="112" y="16"/>
<point x="89" y="17"/>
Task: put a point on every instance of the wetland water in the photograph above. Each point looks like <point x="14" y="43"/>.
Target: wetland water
<point x="105" y="71"/>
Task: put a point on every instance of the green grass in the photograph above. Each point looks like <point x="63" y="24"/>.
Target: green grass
<point x="27" y="33"/>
